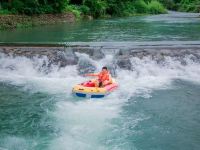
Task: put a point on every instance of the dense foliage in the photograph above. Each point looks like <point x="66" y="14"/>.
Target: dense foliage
<point x="96" y="8"/>
<point x="189" y="5"/>
<point x="182" y="5"/>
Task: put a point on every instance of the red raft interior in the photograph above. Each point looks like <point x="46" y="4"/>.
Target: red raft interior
<point x="88" y="84"/>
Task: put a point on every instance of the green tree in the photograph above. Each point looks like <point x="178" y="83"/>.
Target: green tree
<point x="97" y="7"/>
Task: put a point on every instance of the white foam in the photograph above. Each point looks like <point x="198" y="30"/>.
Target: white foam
<point x="16" y="143"/>
<point x="82" y="123"/>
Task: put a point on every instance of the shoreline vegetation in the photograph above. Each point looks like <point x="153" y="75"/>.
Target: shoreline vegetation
<point x="22" y="13"/>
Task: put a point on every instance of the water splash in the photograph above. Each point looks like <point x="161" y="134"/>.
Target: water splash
<point x="84" y="123"/>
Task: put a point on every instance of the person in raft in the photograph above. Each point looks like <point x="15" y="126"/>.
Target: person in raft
<point x="103" y="78"/>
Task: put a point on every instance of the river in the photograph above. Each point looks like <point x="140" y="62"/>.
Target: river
<point x="156" y="107"/>
<point x="167" y="27"/>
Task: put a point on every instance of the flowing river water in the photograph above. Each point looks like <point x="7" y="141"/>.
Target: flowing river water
<point x="156" y="107"/>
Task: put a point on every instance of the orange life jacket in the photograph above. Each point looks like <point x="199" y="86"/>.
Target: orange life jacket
<point x="104" y="76"/>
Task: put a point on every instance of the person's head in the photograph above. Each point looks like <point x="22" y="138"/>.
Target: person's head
<point x="104" y="69"/>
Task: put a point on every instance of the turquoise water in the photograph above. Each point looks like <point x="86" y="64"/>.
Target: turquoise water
<point x="169" y="119"/>
<point x="169" y="27"/>
<point x="24" y="118"/>
<point x="156" y="107"/>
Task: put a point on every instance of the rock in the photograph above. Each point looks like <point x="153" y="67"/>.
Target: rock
<point x="159" y="58"/>
<point x="69" y="57"/>
<point x="139" y="53"/>
<point x="13" y="21"/>
<point x="123" y="52"/>
<point x="88" y="17"/>
<point x="94" y="53"/>
<point x="56" y="56"/>
<point x="112" y="67"/>
<point x="124" y="63"/>
<point x="85" y="66"/>
<point x="97" y="54"/>
<point x="195" y="58"/>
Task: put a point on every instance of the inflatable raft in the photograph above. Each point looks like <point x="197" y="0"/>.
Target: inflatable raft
<point x="88" y="89"/>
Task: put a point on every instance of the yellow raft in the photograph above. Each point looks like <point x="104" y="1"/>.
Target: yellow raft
<point x="87" y="89"/>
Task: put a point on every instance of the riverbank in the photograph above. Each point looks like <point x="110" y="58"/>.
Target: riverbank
<point x="23" y="21"/>
<point x="164" y="27"/>
<point x="12" y="13"/>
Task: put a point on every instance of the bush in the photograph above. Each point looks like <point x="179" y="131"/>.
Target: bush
<point x="189" y="5"/>
<point x="128" y="9"/>
<point x="4" y="12"/>
<point x="97" y="7"/>
<point x="169" y="4"/>
<point x="31" y="7"/>
<point x="46" y="9"/>
<point x="60" y="5"/>
<point x="17" y="6"/>
<point x="74" y="9"/>
<point x="85" y="9"/>
<point x="114" y="8"/>
<point x="197" y="9"/>
<point x="155" y="7"/>
<point x="141" y="6"/>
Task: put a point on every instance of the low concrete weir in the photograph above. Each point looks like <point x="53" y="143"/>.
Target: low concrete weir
<point x="63" y="54"/>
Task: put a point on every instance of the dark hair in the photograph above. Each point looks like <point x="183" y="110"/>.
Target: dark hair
<point x="104" y="68"/>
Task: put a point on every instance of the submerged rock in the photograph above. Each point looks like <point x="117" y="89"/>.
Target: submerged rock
<point x="70" y="57"/>
<point x="112" y="68"/>
<point x="124" y="63"/>
<point x="85" y="66"/>
<point x="62" y="57"/>
<point x="56" y="56"/>
<point x="98" y="54"/>
<point x="94" y="53"/>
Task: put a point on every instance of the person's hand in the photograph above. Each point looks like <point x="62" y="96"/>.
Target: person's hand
<point x="105" y="82"/>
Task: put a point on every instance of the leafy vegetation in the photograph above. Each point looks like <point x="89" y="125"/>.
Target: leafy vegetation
<point x="154" y="7"/>
<point x="189" y="5"/>
<point x="4" y="11"/>
<point x="97" y="8"/>
<point x="182" y="5"/>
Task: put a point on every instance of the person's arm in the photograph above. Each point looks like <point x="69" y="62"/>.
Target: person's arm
<point x="109" y="81"/>
<point x="91" y="75"/>
<point x="110" y="78"/>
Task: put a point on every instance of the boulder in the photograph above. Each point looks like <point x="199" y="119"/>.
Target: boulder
<point x="112" y="67"/>
<point x="56" y="56"/>
<point x="97" y="54"/>
<point x="94" y="53"/>
<point x="85" y="66"/>
<point x="124" y="63"/>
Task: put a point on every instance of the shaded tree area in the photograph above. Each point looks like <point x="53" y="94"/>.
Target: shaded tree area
<point x="182" y="5"/>
<point x="189" y="5"/>
<point x="97" y="8"/>
<point x="30" y="7"/>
